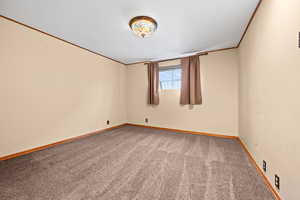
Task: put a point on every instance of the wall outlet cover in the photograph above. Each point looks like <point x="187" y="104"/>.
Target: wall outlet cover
<point x="264" y="166"/>
<point x="277" y="181"/>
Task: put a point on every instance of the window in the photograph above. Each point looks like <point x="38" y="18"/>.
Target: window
<point x="170" y="78"/>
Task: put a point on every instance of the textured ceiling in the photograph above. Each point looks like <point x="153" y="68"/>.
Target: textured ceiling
<point x="102" y="26"/>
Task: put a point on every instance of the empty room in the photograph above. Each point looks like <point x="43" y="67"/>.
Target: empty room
<point x="149" y="100"/>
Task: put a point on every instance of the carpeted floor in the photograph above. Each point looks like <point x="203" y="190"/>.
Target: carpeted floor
<point x="135" y="163"/>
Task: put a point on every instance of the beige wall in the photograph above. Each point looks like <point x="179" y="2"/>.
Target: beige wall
<point x="269" y="92"/>
<point x="50" y="90"/>
<point x="219" y="112"/>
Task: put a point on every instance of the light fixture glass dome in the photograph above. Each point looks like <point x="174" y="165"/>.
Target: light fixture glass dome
<point x="143" y="26"/>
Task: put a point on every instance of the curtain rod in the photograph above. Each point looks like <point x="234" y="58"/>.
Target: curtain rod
<point x="198" y="54"/>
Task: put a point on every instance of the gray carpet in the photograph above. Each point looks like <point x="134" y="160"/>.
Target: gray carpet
<point x="135" y="163"/>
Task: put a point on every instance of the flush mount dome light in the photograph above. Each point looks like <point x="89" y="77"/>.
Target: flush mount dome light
<point x="143" y="26"/>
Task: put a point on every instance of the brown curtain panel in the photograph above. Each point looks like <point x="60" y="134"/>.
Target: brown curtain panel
<point x="190" y="81"/>
<point x="153" y="83"/>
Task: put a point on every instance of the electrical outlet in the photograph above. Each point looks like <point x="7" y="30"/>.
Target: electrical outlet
<point x="107" y="122"/>
<point x="264" y="166"/>
<point x="277" y="181"/>
<point x="146" y="120"/>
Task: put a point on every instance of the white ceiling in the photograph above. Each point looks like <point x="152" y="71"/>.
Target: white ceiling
<point x="102" y="25"/>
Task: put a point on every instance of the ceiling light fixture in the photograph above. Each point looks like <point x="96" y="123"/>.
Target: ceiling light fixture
<point x="143" y="26"/>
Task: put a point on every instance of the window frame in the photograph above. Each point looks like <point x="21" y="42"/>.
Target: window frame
<point x="167" y="68"/>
